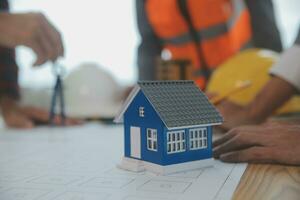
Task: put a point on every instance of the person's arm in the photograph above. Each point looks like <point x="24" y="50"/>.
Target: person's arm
<point x="8" y="74"/>
<point x="150" y="47"/>
<point x="8" y="66"/>
<point x="274" y="94"/>
<point x="284" y="83"/>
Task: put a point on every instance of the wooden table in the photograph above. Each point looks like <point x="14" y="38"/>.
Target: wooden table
<point x="266" y="182"/>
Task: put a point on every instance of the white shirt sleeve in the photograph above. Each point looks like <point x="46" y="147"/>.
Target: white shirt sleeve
<point x="288" y="66"/>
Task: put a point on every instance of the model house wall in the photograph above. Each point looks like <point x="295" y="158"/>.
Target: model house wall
<point x="202" y="152"/>
<point x="150" y="120"/>
<point x="160" y="150"/>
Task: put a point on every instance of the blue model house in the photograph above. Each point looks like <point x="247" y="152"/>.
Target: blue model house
<point x="168" y="127"/>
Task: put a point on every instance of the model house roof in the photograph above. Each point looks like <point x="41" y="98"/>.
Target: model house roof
<point x="178" y="103"/>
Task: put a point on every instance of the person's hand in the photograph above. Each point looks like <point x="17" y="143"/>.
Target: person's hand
<point x="34" y="31"/>
<point x="236" y="115"/>
<point x="260" y="144"/>
<point x="17" y="116"/>
<point x="273" y="94"/>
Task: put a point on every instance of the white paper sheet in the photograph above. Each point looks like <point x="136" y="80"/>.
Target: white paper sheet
<point x="79" y="163"/>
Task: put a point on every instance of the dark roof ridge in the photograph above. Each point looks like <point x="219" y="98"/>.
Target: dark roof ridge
<point x="146" y="82"/>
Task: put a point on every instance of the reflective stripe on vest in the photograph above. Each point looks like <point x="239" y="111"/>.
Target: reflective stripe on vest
<point x="212" y="31"/>
<point x="223" y="26"/>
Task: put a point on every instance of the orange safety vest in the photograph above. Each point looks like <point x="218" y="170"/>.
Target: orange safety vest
<point x="223" y="27"/>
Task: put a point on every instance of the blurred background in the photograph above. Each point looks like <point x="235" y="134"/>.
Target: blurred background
<point x="105" y="32"/>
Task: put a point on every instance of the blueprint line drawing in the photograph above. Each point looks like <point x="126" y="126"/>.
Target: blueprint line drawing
<point x="142" y="198"/>
<point x="218" y="192"/>
<point x="23" y="194"/>
<point x="165" y="186"/>
<point x="188" y="174"/>
<point x="80" y="163"/>
<point x="55" y="180"/>
<point x="108" y="182"/>
<point x="69" y="195"/>
<point x="13" y="177"/>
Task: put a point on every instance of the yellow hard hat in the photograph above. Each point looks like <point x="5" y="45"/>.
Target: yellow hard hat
<point x="250" y="65"/>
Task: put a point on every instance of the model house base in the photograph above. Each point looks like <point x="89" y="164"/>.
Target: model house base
<point x="135" y="165"/>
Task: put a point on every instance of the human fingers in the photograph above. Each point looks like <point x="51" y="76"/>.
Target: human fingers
<point x="46" y="46"/>
<point x="41" y="56"/>
<point x="37" y="114"/>
<point x="66" y="121"/>
<point x="239" y="141"/>
<point x="252" y="155"/>
<point x="43" y="38"/>
<point x="17" y="120"/>
<point x="223" y="139"/>
<point x="54" y="38"/>
<point x="231" y="133"/>
<point x="42" y="116"/>
<point x="59" y="41"/>
<point x="72" y="121"/>
<point x="211" y="95"/>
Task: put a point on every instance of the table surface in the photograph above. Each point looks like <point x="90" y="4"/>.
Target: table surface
<point x="269" y="182"/>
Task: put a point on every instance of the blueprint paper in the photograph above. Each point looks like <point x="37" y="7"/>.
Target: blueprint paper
<point x="79" y="163"/>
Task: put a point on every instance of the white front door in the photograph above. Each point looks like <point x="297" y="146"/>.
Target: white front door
<point x="135" y="142"/>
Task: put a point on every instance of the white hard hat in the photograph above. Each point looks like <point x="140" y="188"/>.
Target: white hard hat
<point x="91" y="92"/>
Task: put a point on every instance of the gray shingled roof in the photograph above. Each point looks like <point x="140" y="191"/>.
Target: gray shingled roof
<point x="180" y="103"/>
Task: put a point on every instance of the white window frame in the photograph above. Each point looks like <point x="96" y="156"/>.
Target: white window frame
<point x="151" y="139"/>
<point x="176" y="142"/>
<point x="142" y="111"/>
<point x="198" y="138"/>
